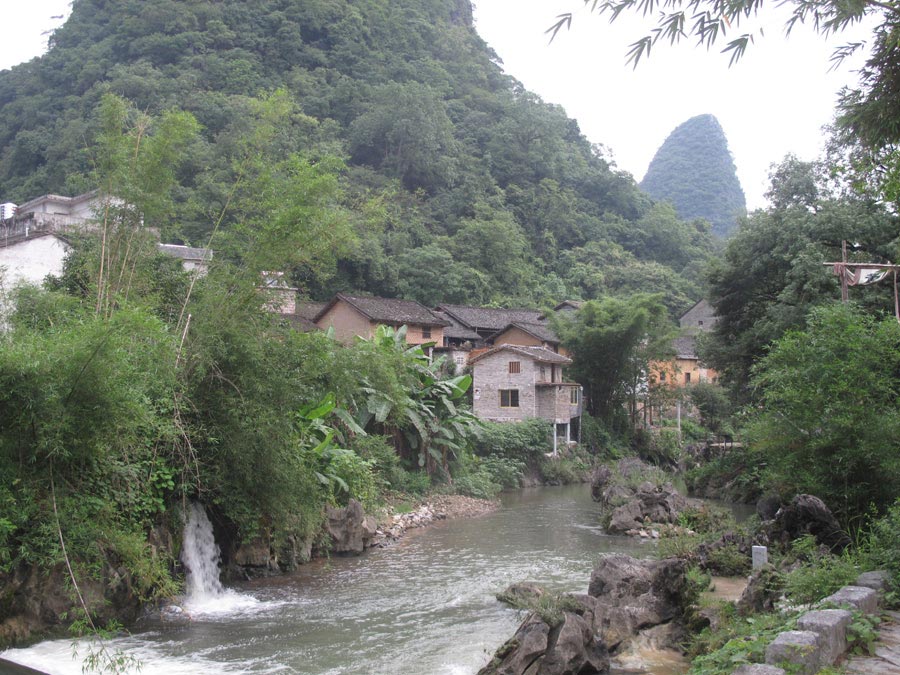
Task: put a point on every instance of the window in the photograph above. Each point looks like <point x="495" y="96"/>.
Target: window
<point x="687" y="378"/>
<point x="460" y="360"/>
<point x="573" y="396"/>
<point x="515" y="367"/>
<point x="426" y="331"/>
<point x="662" y="376"/>
<point x="543" y="374"/>
<point x="509" y="398"/>
<point x="699" y="323"/>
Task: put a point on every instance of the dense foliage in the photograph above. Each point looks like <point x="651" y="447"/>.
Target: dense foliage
<point x="830" y="420"/>
<point x="694" y="171"/>
<point x="458" y="185"/>
<point x="772" y="274"/>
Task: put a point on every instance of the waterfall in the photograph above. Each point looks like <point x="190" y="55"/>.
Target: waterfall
<point x="204" y="593"/>
<point x="200" y="555"/>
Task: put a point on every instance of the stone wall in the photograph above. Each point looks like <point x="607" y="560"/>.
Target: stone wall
<point x="491" y="374"/>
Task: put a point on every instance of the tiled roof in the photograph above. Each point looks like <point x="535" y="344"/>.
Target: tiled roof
<point x="489" y="318"/>
<point x="685" y="347"/>
<point x="454" y="329"/>
<point x="309" y="309"/>
<point x="536" y="353"/>
<point x="300" y="323"/>
<point x="574" y="304"/>
<point x="541" y="331"/>
<point x="387" y="310"/>
<point x="185" y="252"/>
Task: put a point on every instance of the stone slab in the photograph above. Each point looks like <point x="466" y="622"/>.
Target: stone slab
<point x="831" y="626"/>
<point x="759" y="556"/>
<point x="759" y="669"/>
<point x="858" y="597"/>
<point x="878" y="580"/>
<point x="797" y="648"/>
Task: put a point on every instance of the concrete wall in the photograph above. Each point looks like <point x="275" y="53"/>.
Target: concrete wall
<point x="414" y="334"/>
<point x="347" y="323"/>
<point x="32" y="259"/>
<point x="700" y="317"/>
<point x="517" y="336"/>
<point x="491" y="374"/>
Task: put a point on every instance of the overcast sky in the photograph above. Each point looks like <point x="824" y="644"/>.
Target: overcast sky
<point x="773" y="102"/>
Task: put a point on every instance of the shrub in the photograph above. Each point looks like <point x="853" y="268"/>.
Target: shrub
<point x="821" y="573"/>
<point x="524" y="441"/>
<point x="728" y="561"/>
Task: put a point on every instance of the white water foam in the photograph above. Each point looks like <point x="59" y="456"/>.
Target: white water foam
<point x="204" y="594"/>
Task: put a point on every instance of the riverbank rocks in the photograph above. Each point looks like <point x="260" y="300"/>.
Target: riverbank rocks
<point x="438" y="507"/>
<point x="631" y="595"/>
<point x="634" y="502"/>
<point x="349" y="528"/>
<point x="807" y="514"/>
<point x="34" y="601"/>
<point x="567" y="647"/>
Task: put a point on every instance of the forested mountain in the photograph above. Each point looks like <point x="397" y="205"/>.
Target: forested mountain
<point x="454" y="183"/>
<point x="693" y="170"/>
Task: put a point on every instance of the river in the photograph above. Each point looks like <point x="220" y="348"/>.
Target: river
<point x="424" y="606"/>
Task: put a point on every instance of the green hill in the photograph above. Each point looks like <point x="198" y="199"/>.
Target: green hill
<point x="694" y="171"/>
<point x="460" y="185"/>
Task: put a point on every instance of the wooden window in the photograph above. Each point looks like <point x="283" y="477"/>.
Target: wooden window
<point x="509" y="398"/>
<point x="426" y="331"/>
<point x="573" y="396"/>
<point x="662" y="376"/>
<point x="515" y="367"/>
<point x="687" y="378"/>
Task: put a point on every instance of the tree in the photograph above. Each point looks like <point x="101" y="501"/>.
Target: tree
<point x="612" y="341"/>
<point x="772" y="275"/>
<point x="829" y="422"/>
<point x="710" y="20"/>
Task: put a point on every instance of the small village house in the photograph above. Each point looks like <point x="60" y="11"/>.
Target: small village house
<point x="512" y="383"/>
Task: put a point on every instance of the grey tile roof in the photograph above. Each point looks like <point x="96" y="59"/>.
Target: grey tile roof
<point x="685" y="347"/>
<point x="489" y="318"/>
<point x="388" y="310"/>
<point x="309" y="309"/>
<point x="454" y="329"/>
<point x="536" y="353"/>
<point x="541" y="331"/>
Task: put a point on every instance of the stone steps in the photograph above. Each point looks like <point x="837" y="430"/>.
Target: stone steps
<point x="821" y="638"/>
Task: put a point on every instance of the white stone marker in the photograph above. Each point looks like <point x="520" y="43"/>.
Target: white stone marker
<point x="760" y="556"/>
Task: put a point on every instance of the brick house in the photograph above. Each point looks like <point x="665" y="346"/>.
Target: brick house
<point x="512" y="383"/>
<point x="358" y="316"/>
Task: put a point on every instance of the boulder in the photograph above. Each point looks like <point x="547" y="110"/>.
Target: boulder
<point x="632" y="595"/>
<point x="599" y="480"/>
<point x="627" y="517"/>
<point x="762" y="592"/>
<point x="568" y="648"/>
<point x="522" y="594"/>
<point x="767" y="506"/>
<point x="807" y="514"/>
<point x="349" y="528"/>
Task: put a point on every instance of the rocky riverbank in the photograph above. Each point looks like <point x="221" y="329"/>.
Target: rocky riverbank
<point x="434" y="509"/>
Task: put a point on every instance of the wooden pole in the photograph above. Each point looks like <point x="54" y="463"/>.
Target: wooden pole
<point x="845" y="292"/>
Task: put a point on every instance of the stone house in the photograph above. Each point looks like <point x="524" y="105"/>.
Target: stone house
<point x="358" y="316"/>
<point x="512" y="383"/>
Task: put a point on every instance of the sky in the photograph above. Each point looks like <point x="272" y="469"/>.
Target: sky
<point x="775" y="101"/>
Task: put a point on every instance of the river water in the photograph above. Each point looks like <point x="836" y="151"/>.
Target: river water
<point x="424" y="606"/>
